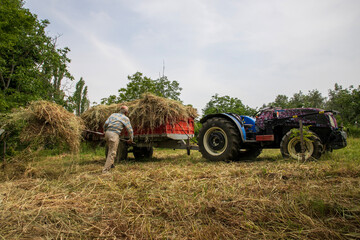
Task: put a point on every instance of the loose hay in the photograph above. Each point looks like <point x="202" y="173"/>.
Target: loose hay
<point x="95" y="117"/>
<point x="145" y="113"/>
<point x="46" y="123"/>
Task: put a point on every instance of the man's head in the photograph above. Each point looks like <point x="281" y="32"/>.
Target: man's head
<point x="124" y="110"/>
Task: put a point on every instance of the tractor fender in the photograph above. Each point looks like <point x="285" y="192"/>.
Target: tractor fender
<point x="229" y="116"/>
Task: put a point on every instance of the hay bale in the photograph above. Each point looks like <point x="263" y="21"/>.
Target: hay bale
<point x="152" y="111"/>
<point x="146" y="113"/>
<point x="46" y="123"/>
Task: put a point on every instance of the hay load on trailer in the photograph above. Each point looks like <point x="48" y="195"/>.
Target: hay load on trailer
<point x="150" y="112"/>
<point x="157" y="122"/>
<point x="44" y="123"/>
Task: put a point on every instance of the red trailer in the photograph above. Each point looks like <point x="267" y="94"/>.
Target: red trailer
<point x="174" y="136"/>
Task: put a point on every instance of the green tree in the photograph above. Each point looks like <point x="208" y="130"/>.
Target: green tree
<point x="79" y="101"/>
<point x="280" y="101"/>
<point x="31" y="66"/>
<point x="347" y="102"/>
<point x="139" y="84"/>
<point x="314" y="99"/>
<point x="222" y="104"/>
<point x="299" y="100"/>
<point x="109" y="100"/>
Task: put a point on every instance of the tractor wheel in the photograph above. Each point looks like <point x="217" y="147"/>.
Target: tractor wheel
<point x="122" y="152"/>
<point x="143" y="152"/>
<point x="290" y="147"/>
<point x="249" y="154"/>
<point x="219" y="140"/>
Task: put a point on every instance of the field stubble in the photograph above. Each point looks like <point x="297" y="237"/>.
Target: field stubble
<point x="175" y="196"/>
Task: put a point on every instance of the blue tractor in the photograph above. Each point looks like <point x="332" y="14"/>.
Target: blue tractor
<point x="228" y="136"/>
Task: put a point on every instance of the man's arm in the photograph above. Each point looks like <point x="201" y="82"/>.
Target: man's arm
<point x="106" y="124"/>
<point x="129" y="128"/>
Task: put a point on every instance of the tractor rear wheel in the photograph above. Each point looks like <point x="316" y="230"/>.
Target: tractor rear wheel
<point x="290" y="147"/>
<point x="219" y="140"/>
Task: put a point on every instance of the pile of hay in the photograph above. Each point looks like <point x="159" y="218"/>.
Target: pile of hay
<point x="146" y="113"/>
<point x="95" y="117"/>
<point x="45" y="123"/>
<point x="152" y="111"/>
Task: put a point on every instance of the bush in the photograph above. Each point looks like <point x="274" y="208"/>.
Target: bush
<point x="353" y="131"/>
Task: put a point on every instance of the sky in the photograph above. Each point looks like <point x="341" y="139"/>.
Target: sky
<point x="249" y="49"/>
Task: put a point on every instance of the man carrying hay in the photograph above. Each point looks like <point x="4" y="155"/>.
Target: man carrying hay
<point x="113" y="127"/>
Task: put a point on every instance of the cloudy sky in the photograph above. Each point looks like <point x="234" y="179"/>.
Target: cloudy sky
<point x="249" y="49"/>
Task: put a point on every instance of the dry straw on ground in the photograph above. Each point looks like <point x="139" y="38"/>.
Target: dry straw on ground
<point x="46" y="123"/>
<point x="147" y="113"/>
<point x="176" y="196"/>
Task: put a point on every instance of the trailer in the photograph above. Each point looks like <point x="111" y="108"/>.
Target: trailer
<point x="173" y="136"/>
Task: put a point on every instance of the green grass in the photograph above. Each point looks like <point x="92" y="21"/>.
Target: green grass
<point x="175" y="196"/>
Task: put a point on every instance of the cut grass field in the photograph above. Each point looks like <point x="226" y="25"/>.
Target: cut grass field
<point x="175" y="196"/>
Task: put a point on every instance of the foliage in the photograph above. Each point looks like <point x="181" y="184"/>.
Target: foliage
<point x="139" y="84"/>
<point x="219" y="104"/>
<point x="79" y="101"/>
<point x="307" y="134"/>
<point x="353" y="131"/>
<point x="31" y="66"/>
<point x="347" y="102"/>
<point x="299" y="100"/>
<point x="112" y="99"/>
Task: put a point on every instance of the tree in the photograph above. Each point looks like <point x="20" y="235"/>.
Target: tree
<point x="31" y="66"/>
<point x="299" y="100"/>
<point x="280" y="101"/>
<point x="109" y="100"/>
<point x="314" y="99"/>
<point x="79" y="101"/>
<point x="220" y="104"/>
<point x="139" y="84"/>
<point x="347" y="102"/>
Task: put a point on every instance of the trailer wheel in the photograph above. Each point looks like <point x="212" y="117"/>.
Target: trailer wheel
<point x="143" y="152"/>
<point x="219" y="140"/>
<point x="290" y="147"/>
<point x="122" y="151"/>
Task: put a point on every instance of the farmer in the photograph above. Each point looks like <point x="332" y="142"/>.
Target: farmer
<point x="113" y="127"/>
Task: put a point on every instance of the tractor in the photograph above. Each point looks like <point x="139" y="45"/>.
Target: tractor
<point x="229" y="136"/>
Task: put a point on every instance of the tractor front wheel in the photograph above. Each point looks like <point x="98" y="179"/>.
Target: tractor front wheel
<point x="290" y="147"/>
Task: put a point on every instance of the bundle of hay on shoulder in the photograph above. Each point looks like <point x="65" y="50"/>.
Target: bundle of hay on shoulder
<point x="146" y="113"/>
<point x="46" y="123"/>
